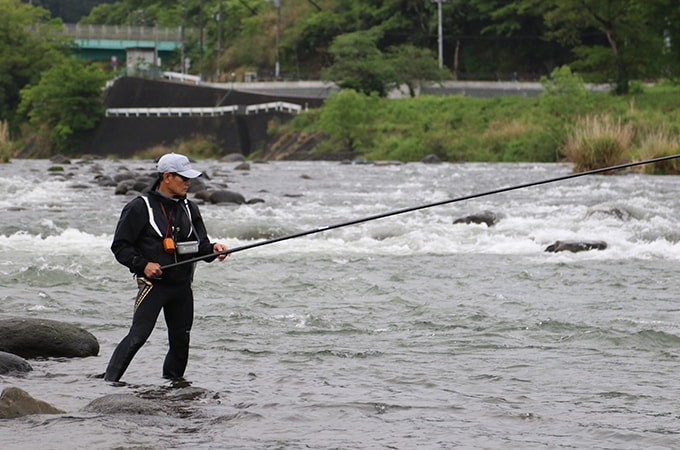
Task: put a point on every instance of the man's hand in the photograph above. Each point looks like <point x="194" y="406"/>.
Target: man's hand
<point x="152" y="270"/>
<point x="217" y="248"/>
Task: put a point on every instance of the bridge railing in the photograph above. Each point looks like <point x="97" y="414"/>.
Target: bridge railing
<point x="124" y="32"/>
<point x="274" y="106"/>
<point x="204" y="111"/>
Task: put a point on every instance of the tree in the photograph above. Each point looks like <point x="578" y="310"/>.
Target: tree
<point x="66" y="102"/>
<point x="614" y="37"/>
<point x="29" y="44"/>
<point x="413" y="65"/>
<point x="359" y="64"/>
<point x="508" y="37"/>
<point x="345" y="119"/>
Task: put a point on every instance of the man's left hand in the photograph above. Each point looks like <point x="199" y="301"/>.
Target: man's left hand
<point x="217" y="248"/>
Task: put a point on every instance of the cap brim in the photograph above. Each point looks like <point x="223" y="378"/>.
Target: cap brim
<point x="190" y="173"/>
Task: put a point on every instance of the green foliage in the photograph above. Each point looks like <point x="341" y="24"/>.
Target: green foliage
<point x="66" y="101"/>
<point x="362" y="66"/>
<point x="564" y="93"/>
<point x="413" y="65"/>
<point x="24" y="53"/>
<point x="345" y="118"/>
<point x="614" y="41"/>
<point x="631" y="30"/>
<point x="458" y="128"/>
<point x="507" y="129"/>
<point x="359" y="64"/>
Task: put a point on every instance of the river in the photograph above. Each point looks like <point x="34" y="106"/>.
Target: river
<point x="399" y="333"/>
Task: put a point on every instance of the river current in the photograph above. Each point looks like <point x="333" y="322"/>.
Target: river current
<point x="399" y="333"/>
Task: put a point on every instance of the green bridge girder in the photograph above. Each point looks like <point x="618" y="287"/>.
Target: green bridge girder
<point x="104" y="49"/>
<point x="101" y="42"/>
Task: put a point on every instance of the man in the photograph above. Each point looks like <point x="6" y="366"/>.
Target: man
<point x="155" y="230"/>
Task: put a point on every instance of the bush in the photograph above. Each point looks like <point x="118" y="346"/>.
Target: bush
<point x="346" y="119"/>
<point x="565" y="93"/>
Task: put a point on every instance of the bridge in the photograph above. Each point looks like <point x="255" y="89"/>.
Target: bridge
<point x="102" y="42"/>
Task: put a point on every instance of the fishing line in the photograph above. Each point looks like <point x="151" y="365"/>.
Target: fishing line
<point x="419" y="207"/>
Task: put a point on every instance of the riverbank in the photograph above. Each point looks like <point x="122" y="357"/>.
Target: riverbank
<point x="568" y="121"/>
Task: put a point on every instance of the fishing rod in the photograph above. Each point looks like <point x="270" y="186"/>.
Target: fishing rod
<point x="419" y="207"/>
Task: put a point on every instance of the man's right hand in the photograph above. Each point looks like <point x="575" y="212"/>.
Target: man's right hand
<point x="153" y="270"/>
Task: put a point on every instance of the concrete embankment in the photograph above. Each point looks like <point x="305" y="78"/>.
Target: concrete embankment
<point x="123" y="136"/>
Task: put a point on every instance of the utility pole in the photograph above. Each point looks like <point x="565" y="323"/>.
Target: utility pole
<point x="277" y="4"/>
<point x="182" y="27"/>
<point x="440" y="37"/>
<point x="219" y="38"/>
<point x="200" y="37"/>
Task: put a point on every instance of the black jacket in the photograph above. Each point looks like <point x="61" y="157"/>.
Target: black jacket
<point x="136" y="241"/>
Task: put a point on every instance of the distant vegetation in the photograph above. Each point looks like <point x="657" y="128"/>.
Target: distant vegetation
<point x="49" y="101"/>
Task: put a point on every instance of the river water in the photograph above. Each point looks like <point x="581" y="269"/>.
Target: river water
<point x="405" y="332"/>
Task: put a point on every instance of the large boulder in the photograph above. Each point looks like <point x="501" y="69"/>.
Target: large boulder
<point x="575" y="246"/>
<point x="36" y="338"/>
<point x="225" y="196"/>
<point x="15" y="402"/>
<point x="13" y="364"/>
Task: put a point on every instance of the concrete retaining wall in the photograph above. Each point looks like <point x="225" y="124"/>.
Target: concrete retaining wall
<point x="125" y="136"/>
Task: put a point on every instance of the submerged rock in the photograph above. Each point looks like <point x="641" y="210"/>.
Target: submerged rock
<point x="15" y="402"/>
<point x="126" y="404"/>
<point x="42" y="338"/>
<point x="487" y="217"/>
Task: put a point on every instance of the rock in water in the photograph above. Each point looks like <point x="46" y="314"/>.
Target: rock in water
<point x="13" y="364"/>
<point x="575" y="246"/>
<point x="15" y="402"/>
<point x="125" y="404"/>
<point x="42" y="338"/>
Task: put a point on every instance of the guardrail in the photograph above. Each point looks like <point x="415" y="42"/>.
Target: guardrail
<point x="203" y="111"/>
<point x="276" y="106"/>
<point x="182" y="77"/>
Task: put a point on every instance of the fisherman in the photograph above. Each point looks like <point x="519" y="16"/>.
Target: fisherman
<point x="154" y="230"/>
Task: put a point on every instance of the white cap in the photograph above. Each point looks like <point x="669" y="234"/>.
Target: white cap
<point x="176" y="163"/>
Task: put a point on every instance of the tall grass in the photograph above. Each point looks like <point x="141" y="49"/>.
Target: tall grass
<point x="5" y="144"/>
<point x="598" y="141"/>
<point x="656" y="143"/>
